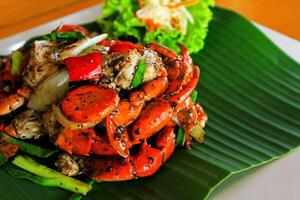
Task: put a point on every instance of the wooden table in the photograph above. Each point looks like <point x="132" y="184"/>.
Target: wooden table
<point x="19" y="15"/>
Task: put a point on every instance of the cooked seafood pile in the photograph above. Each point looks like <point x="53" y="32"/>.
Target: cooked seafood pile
<point x="115" y="109"/>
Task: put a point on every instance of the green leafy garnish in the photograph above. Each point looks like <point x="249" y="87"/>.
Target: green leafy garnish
<point x="139" y="74"/>
<point x="119" y="21"/>
<point x="61" y="37"/>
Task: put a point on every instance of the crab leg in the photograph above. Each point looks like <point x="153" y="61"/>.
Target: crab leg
<point x="128" y="111"/>
<point x="145" y="163"/>
<point x="83" y="142"/>
<point x="159" y="112"/>
<point x="14" y="101"/>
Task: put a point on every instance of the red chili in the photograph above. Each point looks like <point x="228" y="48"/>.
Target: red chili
<point x="73" y="28"/>
<point x="120" y="46"/>
<point x="84" y="67"/>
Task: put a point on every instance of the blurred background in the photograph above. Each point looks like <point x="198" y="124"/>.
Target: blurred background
<point x="19" y="15"/>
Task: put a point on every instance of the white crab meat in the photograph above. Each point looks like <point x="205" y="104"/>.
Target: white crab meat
<point x="67" y="165"/>
<point x="127" y="69"/>
<point x="40" y="65"/>
<point x="154" y="65"/>
<point x="28" y="125"/>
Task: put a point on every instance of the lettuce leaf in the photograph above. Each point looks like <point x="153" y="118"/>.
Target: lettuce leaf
<point x="119" y="21"/>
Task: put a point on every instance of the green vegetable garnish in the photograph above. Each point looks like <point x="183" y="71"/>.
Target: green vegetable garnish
<point x="194" y="95"/>
<point x="198" y="133"/>
<point x="119" y="21"/>
<point x="62" y="38"/>
<point x="78" y="196"/>
<point x="30" y="148"/>
<point x="180" y="137"/>
<point x="16" y="57"/>
<point x="49" y="177"/>
<point x="22" y="174"/>
<point x="139" y="74"/>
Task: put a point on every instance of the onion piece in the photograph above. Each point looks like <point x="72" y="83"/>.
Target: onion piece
<point x="77" y="47"/>
<point x="51" y="90"/>
<point x="65" y="122"/>
<point x="198" y="133"/>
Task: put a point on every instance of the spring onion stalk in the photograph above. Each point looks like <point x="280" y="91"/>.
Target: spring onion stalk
<point x="30" y="148"/>
<point x="76" y="196"/>
<point x="19" y="173"/>
<point x="194" y="95"/>
<point x="50" y="177"/>
<point x="16" y="57"/>
<point x="180" y="137"/>
<point x="139" y="74"/>
<point x="198" y="133"/>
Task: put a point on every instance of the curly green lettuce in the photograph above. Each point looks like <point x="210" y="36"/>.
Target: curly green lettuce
<point x="119" y="21"/>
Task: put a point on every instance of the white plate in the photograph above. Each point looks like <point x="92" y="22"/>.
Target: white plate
<point x="276" y="181"/>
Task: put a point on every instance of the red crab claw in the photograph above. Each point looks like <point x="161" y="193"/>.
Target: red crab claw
<point x="77" y="142"/>
<point x="14" y="101"/>
<point x="180" y="71"/>
<point x="165" y="141"/>
<point x="128" y="111"/>
<point x="145" y="163"/>
<point x="7" y="149"/>
<point x="165" y="51"/>
<point x="101" y="146"/>
<point x="185" y="54"/>
<point x="158" y="113"/>
<point x="83" y="142"/>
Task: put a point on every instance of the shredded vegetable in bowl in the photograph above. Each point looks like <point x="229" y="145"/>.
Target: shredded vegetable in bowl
<point x="166" y="14"/>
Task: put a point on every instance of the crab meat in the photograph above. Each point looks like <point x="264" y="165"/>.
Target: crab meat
<point x="40" y="65"/>
<point x="67" y="165"/>
<point x="119" y="69"/>
<point x="27" y="125"/>
<point x="51" y="126"/>
<point x="127" y="69"/>
<point x="154" y="65"/>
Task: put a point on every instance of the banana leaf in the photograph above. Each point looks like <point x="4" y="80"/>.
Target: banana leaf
<point x="251" y="92"/>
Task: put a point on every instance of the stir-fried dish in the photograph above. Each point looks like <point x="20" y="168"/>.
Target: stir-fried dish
<point x="113" y="110"/>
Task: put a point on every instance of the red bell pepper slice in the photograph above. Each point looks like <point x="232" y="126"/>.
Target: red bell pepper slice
<point x="120" y="46"/>
<point x="84" y="67"/>
<point x="73" y="28"/>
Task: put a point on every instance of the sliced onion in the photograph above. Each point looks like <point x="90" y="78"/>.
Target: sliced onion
<point x="198" y="133"/>
<point x="79" y="46"/>
<point x="65" y="122"/>
<point x="51" y="90"/>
